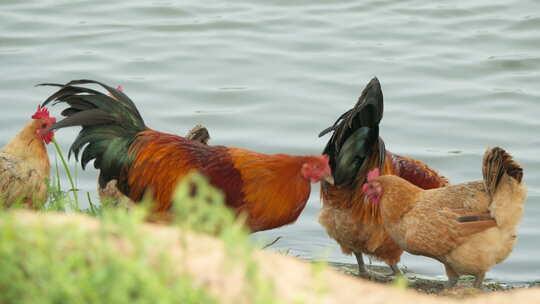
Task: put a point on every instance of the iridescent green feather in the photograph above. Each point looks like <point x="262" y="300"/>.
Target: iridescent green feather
<point x="356" y="136"/>
<point x="109" y="124"/>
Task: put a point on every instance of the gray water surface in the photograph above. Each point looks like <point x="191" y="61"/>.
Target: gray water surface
<point x="457" y="77"/>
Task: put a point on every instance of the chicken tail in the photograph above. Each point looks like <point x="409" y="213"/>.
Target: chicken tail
<point x="356" y="136"/>
<point x="110" y="123"/>
<point x="496" y="163"/>
<point x="503" y="182"/>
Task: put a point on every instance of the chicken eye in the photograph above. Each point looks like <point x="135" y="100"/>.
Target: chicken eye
<point x="43" y="125"/>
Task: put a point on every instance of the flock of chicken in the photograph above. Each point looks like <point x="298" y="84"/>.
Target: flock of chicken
<point x="374" y="202"/>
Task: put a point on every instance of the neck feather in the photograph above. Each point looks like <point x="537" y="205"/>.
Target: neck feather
<point x="398" y="197"/>
<point x="27" y="144"/>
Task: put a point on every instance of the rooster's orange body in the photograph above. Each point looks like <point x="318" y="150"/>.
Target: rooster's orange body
<point x="355" y="148"/>
<point x="110" y="191"/>
<point x="271" y="190"/>
<point x="254" y="182"/>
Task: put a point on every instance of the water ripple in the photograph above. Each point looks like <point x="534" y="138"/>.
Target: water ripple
<point x="457" y="77"/>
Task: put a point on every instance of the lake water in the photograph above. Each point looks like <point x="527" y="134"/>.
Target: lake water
<point x="457" y="77"/>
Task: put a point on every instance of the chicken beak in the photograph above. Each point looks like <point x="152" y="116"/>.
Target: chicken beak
<point x="328" y="178"/>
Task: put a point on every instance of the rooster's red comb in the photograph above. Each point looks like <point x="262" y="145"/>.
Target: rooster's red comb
<point x="41" y="113"/>
<point x="373" y="174"/>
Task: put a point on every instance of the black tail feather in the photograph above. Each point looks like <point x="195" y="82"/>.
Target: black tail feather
<point x="109" y="122"/>
<point x="367" y="112"/>
<point x="70" y="89"/>
<point x="355" y="134"/>
<point x="117" y="94"/>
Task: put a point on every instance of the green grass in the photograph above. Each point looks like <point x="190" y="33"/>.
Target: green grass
<point x="74" y="265"/>
<point x="68" y="172"/>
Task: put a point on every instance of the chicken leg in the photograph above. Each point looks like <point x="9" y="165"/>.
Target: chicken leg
<point x="479" y="280"/>
<point x="363" y="272"/>
<point x="452" y="276"/>
<point x="395" y="270"/>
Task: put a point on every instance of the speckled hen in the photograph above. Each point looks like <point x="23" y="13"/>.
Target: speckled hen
<point x="24" y="163"/>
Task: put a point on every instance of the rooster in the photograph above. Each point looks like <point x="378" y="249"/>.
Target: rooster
<point x="271" y="190"/>
<point x="468" y="227"/>
<point x="355" y="148"/>
<point x="24" y="163"/>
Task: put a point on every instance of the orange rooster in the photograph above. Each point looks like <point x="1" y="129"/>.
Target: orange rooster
<point x="24" y="163"/>
<point x="271" y="190"/>
<point x="468" y="227"/>
<point x="355" y="148"/>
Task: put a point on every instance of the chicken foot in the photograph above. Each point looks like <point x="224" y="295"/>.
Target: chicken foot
<point x="479" y="279"/>
<point x="453" y="278"/>
<point x="364" y="273"/>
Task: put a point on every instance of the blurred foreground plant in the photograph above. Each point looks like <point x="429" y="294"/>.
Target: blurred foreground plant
<point x="59" y="264"/>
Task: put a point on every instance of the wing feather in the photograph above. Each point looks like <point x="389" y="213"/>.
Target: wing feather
<point x="434" y="232"/>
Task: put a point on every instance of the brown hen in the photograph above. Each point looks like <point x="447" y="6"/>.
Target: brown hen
<point x="468" y="227"/>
